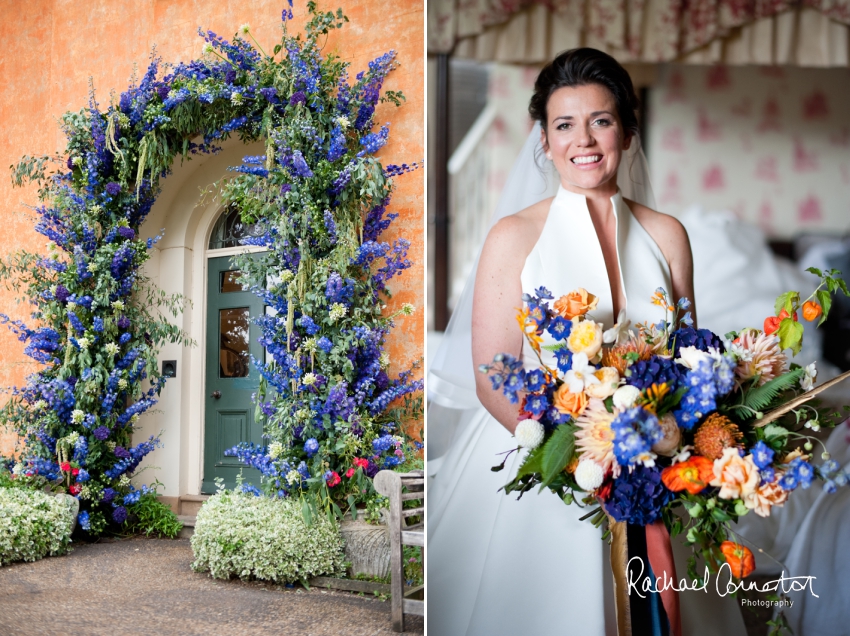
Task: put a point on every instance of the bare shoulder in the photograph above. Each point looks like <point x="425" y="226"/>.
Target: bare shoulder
<point x="516" y="234"/>
<point x="667" y="231"/>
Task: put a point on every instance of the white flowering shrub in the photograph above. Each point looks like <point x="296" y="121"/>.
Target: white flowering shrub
<point x="263" y="538"/>
<point x="33" y="525"/>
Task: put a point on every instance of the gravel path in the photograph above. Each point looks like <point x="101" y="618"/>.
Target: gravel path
<point x="145" y="586"/>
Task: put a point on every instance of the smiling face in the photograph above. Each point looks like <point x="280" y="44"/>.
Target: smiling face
<point x="584" y="138"/>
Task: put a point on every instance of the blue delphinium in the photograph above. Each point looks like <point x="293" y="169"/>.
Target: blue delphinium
<point x="635" y="431"/>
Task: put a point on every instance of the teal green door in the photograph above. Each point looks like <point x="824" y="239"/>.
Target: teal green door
<point x="231" y="378"/>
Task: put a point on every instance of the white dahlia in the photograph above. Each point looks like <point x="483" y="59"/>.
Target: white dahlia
<point x="589" y="475"/>
<point x="529" y="434"/>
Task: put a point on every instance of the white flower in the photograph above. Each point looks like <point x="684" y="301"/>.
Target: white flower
<point x="208" y="48"/>
<point x="275" y="450"/>
<point x="71" y="306"/>
<point x="40" y="404"/>
<point x="683" y="455"/>
<point x="84" y="343"/>
<point x="626" y="396"/>
<point x="529" y="434"/>
<point x="808" y="381"/>
<point x="122" y="383"/>
<point x="112" y="348"/>
<point x="384" y="360"/>
<point x="338" y="310"/>
<point x="236" y="98"/>
<point x="118" y="305"/>
<point x="309" y="379"/>
<point x="407" y="309"/>
<point x="293" y="477"/>
<point x="646" y="458"/>
<point x="619" y="332"/>
<point x="245" y="28"/>
<point x="77" y="161"/>
<point x="18" y="469"/>
<point x="92" y="267"/>
<point x="690" y="357"/>
<point x="589" y="475"/>
<point x="343" y="122"/>
<point x="581" y="374"/>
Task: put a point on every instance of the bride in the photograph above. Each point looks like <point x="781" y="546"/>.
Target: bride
<point x="497" y="565"/>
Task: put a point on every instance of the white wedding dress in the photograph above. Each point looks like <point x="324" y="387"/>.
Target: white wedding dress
<point x="502" y="566"/>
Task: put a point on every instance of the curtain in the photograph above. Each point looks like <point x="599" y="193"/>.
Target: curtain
<point x="782" y="32"/>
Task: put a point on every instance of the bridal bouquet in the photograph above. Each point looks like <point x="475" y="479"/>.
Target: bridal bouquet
<point x="668" y="422"/>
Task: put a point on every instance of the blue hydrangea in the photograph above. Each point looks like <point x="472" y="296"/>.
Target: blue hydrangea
<point x="638" y="496"/>
<point x="84" y="520"/>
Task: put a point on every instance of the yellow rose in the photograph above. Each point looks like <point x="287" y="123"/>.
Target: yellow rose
<point x="609" y="380"/>
<point x="576" y="303"/>
<point x="569" y="403"/>
<point x="585" y="337"/>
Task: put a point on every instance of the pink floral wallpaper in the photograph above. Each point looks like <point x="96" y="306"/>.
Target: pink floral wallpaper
<point x="770" y="144"/>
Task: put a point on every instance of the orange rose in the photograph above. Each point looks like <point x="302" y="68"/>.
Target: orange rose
<point x="811" y="310"/>
<point x="576" y="303"/>
<point x="739" y="558"/>
<point x="692" y="475"/>
<point x="569" y="403"/>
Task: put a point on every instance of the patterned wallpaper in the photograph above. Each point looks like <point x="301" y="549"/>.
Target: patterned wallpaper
<point x="770" y="144"/>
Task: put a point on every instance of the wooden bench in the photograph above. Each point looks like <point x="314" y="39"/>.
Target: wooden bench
<point x="392" y="484"/>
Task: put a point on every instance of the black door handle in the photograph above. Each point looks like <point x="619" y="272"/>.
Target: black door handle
<point x="216" y="394"/>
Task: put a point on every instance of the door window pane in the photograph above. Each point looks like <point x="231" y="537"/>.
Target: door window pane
<point x="234" y="359"/>
<point x="228" y="282"/>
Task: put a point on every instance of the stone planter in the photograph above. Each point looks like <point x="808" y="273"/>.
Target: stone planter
<point x="367" y="548"/>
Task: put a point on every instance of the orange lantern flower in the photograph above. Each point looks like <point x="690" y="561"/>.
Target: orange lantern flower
<point x="692" y="475"/>
<point x="739" y="558"/>
<point x="771" y="323"/>
<point x="811" y="310"/>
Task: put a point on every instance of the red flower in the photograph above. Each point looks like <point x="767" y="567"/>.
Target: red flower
<point x="604" y="491"/>
<point x="350" y="472"/>
<point x="65" y="467"/>
<point x="75" y="489"/>
<point x="333" y="480"/>
<point x="771" y="323"/>
<point x="361" y="463"/>
<point x="75" y="471"/>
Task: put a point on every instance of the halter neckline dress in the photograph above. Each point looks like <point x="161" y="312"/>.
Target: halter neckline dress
<point x="498" y="565"/>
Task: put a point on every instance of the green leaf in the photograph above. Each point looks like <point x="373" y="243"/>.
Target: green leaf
<point x="352" y="507"/>
<point x="558" y="452"/>
<point x="532" y="464"/>
<point x="815" y="271"/>
<point x="790" y="335"/>
<point x="782" y="302"/>
<point x="825" y="301"/>
<point x="774" y="431"/>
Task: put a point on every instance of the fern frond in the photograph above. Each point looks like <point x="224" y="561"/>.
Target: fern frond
<point x="761" y="397"/>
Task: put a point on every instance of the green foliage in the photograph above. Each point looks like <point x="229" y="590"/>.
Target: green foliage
<point x="759" y="398"/>
<point x="33" y="525"/>
<point x="153" y="518"/>
<point x="263" y="538"/>
<point x="557" y="452"/>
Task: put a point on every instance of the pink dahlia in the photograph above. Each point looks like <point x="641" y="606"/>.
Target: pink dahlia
<point x="594" y="437"/>
<point x="758" y="355"/>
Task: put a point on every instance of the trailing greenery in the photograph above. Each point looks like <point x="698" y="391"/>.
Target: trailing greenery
<point x="153" y="518"/>
<point x="263" y="538"/>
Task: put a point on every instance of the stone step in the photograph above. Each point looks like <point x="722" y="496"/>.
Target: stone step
<point x="190" y="504"/>
<point x="188" y="522"/>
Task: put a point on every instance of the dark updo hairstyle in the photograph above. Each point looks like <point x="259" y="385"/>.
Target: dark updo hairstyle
<point x="580" y="67"/>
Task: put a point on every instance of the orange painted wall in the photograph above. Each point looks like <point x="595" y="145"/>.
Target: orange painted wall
<point x="53" y="47"/>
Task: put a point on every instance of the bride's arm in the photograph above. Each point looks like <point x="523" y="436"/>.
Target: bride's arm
<point x="498" y="295"/>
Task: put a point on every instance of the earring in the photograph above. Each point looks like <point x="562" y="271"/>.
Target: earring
<point x="549" y="156"/>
